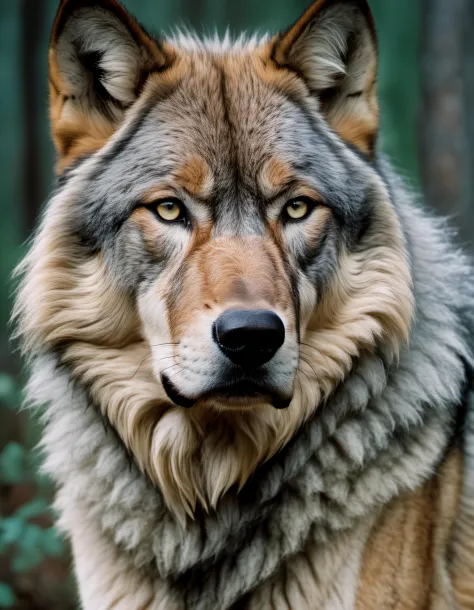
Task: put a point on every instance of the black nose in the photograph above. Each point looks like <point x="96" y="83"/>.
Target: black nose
<point x="249" y="337"/>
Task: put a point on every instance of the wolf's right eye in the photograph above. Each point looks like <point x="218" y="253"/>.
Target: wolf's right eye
<point x="298" y="208"/>
<point x="170" y="210"/>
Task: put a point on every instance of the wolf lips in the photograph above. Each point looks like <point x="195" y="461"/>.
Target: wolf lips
<point x="175" y="396"/>
<point x="239" y="390"/>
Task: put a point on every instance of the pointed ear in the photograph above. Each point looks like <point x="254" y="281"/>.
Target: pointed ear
<point x="99" y="59"/>
<point x="333" y="47"/>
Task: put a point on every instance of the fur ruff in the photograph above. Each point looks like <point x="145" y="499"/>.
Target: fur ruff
<point x="194" y="456"/>
<point x="383" y="432"/>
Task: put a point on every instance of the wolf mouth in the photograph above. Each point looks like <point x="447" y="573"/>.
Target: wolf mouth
<point x="239" y="393"/>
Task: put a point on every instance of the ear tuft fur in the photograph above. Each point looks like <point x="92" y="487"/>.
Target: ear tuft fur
<point x="333" y="47"/>
<point x="99" y="59"/>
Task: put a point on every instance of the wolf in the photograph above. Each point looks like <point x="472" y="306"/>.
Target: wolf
<point x="253" y="347"/>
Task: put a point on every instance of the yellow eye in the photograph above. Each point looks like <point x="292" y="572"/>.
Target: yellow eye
<point x="297" y="209"/>
<point x="170" y="210"/>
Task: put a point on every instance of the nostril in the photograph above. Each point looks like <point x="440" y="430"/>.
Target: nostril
<point x="233" y="339"/>
<point x="249" y="337"/>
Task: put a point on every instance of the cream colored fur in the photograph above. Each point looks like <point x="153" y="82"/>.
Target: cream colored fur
<point x="196" y="456"/>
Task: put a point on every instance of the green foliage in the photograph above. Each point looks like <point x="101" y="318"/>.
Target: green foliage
<point x="22" y="539"/>
<point x="13" y="464"/>
<point x="7" y="597"/>
<point x="9" y="395"/>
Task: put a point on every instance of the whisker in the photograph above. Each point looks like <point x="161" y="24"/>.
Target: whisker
<point x="307" y="345"/>
<point x="170" y="367"/>
<point x="308" y="363"/>
<point x="177" y="373"/>
<point x="140" y="365"/>
<point x="301" y="371"/>
<point x="301" y="387"/>
<point x="143" y="362"/>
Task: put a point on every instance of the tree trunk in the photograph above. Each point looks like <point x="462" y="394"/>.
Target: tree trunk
<point x="31" y="18"/>
<point x="446" y="122"/>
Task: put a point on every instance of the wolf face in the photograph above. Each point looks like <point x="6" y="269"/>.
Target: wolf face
<point x="220" y="239"/>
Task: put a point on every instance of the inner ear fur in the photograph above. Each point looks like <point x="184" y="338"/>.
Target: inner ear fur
<point x="333" y="47"/>
<point x="99" y="59"/>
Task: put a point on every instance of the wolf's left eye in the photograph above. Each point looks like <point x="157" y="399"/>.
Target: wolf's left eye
<point x="170" y="210"/>
<point x="298" y="208"/>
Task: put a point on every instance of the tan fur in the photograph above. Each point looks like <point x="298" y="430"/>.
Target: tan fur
<point x="236" y="272"/>
<point x="361" y="132"/>
<point x="79" y="302"/>
<point x="357" y="120"/>
<point x="461" y="538"/>
<point x="275" y="175"/>
<point x="397" y="564"/>
<point x="195" y="177"/>
<point x="193" y="456"/>
<point x="370" y="298"/>
<point x="406" y="559"/>
<point x="76" y="131"/>
<point x="320" y="576"/>
<point x="313" y="230"/>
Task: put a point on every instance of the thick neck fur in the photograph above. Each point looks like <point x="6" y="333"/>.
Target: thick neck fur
<point x="195" y="457"/>
<point x="382" y="432"/>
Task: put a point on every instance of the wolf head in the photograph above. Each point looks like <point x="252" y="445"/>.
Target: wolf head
<point x="220" y="247"/>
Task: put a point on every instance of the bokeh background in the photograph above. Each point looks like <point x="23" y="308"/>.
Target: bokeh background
<point x="426" y="87"/>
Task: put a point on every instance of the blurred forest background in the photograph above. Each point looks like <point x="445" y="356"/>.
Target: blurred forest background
<point x="426" y="87"/>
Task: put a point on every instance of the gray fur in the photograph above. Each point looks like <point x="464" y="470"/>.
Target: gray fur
<point x="383" y="432"/>
<point x="155" y="144"/>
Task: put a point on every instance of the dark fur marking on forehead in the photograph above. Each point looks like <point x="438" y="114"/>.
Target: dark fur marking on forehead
<point x="230" y="124"/>
<point x="237" y="188"/>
